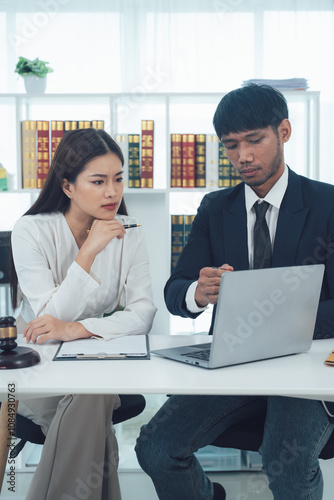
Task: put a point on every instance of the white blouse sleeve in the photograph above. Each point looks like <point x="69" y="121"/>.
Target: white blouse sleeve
<point x="38" y="283"/>
<point x="139" y="311"/>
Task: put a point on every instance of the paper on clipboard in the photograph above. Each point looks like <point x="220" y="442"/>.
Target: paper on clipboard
<point x="125" y="347"/>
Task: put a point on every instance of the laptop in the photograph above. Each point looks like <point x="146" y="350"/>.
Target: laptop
<point x="261" y="314"/>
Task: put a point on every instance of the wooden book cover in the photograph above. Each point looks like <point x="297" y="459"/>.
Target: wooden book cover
<point x="176" y="160"/>
<point x="57" y="132"/>
<point x="177" y="238"/>
<point x="123" y="142"/>
<point x="147" y="153"/>
<point x="29" y="154"/>
<point x="43" y="152"/>
<point x="188" y="160"/>
<point x="224" y="168"/>
<point x="200" y="160"/>
<point x="211" y="161"/>
<point x="134" y="161"/>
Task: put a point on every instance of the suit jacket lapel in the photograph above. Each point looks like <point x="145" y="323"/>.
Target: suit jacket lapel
<point x="290" y="224"/>
<point x="235" y="230"/>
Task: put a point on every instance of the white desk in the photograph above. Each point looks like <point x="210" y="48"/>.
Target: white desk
<point x="302" y="375"/>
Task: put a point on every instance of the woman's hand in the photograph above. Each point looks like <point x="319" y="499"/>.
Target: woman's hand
<point x="47" y="327"/>
<point x="99" y="235"/>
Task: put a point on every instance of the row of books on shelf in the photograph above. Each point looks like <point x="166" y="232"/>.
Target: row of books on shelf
<point x="180" y="229"/>
<point x="200" y="161"/>
<point x="40" y="139"/>
<point x="197" y="160"/>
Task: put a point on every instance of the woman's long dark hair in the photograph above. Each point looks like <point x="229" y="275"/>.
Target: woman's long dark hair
<point x="74" y="151"/>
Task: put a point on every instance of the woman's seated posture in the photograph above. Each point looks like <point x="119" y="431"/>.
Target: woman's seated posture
<point x="79" y="273"/>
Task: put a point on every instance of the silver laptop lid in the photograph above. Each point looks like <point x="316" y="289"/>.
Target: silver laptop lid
<point x="265" y="313"/>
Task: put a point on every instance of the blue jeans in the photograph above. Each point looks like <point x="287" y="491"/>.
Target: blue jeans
<point x="296" y="430"/>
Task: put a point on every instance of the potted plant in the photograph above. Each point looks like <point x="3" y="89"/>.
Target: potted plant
<point x="33" y="73"/>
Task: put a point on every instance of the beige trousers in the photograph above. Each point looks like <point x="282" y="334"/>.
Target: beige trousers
<point x="80" y="454"/>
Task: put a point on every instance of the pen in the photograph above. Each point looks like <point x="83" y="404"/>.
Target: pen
<point x="129" y="226"/>
<point x="126" y="226"/>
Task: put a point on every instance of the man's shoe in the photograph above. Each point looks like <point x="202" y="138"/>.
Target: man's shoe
<point x="218" y="492"/>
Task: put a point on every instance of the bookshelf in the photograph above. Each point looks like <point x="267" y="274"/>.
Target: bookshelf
<point x="122" y="113"/>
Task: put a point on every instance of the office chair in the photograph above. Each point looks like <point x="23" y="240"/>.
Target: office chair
<point x="28" y="431"/>
<point x="248" y="434"/>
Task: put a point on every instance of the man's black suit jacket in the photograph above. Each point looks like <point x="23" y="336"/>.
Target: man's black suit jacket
<point x="304" y="236"/>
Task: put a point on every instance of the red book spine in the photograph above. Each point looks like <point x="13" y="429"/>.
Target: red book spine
<point x="147" y="152"/>
<point x="43" y="154"/>
<point x="188" y="160"/>
<point x="57" y="132"/>
<point x="176" y="161"/>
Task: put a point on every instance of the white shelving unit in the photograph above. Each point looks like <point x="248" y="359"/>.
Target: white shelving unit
<point x="122" y="113"/>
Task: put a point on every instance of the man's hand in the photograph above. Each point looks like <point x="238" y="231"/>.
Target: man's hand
<point x="208" y="284"/>
<point x="47" y="327"/>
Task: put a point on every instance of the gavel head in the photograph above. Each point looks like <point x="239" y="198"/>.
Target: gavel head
<point x="8" y="333"/>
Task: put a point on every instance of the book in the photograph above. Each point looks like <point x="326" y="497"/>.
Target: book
<point x="181" y="227"/>
<point x="134" y="165"/>
<point x="200" y="143"/>
<point x="176" y="160"/>
<point x="177" y="238"/>
<point x="43" y="152"/>
<point x="187" y="223"/>
<point x="147" y="153"/>
<point x="224" y="179"/>
<point x="57" y="132"/>
<point x="29" y="159"/>
<point x="212" y="160"/>
<point x="122" y="141"/>
<point x="235" y="177"/>
<point x="98" y="124"/>
<point x="188" y="160"/>
<point x="84" y="124"/>
<point x="70" y="125"/>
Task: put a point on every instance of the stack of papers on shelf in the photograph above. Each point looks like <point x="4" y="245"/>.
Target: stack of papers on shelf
<point x="283" y="84"/>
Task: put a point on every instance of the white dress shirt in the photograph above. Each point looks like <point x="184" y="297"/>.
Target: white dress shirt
<point x="274" y="197"/>
<point x="51" y="282"/>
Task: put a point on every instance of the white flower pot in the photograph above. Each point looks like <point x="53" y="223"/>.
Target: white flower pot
<point x="34" y="84"/>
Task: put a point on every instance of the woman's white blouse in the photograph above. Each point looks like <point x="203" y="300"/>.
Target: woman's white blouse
<point x="51" y="282"/>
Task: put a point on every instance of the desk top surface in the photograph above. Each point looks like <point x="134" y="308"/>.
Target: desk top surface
<point x="301" y="375"/>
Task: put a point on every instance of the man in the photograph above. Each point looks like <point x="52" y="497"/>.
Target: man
<point x="252" y="123"/>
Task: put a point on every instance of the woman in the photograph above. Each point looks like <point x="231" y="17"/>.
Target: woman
<point x="79" y="273"/>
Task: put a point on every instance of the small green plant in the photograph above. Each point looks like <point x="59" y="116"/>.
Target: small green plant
<point x="36" y="67"/>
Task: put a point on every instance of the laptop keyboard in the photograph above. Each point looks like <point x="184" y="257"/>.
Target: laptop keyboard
<point x="203" y="354"/>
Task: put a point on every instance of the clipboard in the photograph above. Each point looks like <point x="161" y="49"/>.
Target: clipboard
<point x="126" y="347"/>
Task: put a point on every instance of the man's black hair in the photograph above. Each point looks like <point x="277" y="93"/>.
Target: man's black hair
<point x="249" y="108"/>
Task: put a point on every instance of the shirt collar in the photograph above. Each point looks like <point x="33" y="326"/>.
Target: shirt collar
<point x="274" y="196"/>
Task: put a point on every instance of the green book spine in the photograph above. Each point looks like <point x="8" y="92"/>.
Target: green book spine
<point x="177" y="238"/>
<point x="188" y="220"/>
<point x="224" y="168"/>
<point x="134" y="161"/>
<point x="200" y="160"/>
